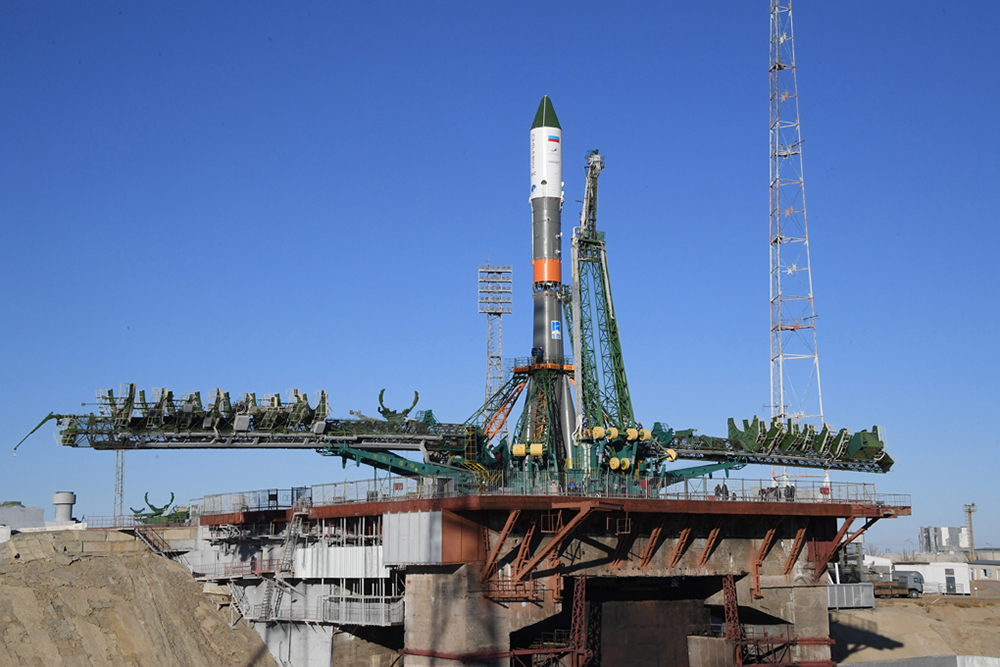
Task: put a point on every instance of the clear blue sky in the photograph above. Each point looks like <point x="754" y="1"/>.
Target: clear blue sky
<point x="260" y="196"/>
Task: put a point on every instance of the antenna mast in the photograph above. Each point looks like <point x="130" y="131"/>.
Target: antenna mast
<point x="795" y="383"/>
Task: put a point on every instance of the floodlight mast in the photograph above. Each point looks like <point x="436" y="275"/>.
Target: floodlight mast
<point x="496" y="288"/>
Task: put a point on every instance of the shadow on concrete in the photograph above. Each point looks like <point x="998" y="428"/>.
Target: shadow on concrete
<point x="852" y="635"/>
<point x="255" y="659"/>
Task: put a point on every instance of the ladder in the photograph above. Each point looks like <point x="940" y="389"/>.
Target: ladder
<point x="275" y="588"/>
<point x="239" y="602"/>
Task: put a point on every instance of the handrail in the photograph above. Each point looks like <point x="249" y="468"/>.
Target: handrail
<point x="394" y="488"/>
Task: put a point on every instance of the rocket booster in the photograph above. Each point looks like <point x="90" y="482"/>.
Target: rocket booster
<point x="546" y="238"/>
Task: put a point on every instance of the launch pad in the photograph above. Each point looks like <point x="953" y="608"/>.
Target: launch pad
<point x="581" y="538"/>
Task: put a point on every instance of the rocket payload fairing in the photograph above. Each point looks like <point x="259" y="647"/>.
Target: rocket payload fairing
<point x="549" y="393"/>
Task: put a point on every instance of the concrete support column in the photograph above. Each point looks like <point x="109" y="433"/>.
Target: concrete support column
<point x="447" y="615"/>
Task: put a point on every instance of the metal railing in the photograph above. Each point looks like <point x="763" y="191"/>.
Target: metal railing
<point x="572" y="484"/>
<point x="251" y="568"/>
<point x="131" y="521"/>
<point x="941" y="588"/>
<point x="251" y="501"/>
<point x="850" y="596"/>
<point x="343" y="610"/>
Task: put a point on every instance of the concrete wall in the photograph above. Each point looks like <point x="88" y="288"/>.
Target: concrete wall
<point x="324" y="645"/>
<point x="446" y="613"/>
<point x="33" y="546"/>
<point x="710" y="652"/>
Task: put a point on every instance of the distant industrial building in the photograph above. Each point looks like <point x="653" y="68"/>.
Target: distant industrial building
<point x="944" y="539"/>
<point x="16" y="516"/>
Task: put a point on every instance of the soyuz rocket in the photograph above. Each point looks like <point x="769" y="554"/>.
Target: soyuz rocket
<point x="546" y="200"/>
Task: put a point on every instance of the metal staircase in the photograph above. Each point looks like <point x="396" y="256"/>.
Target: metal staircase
<point x="275" y="588"/>
<point x="155" y="542"/>
<point x="239" y="602"/>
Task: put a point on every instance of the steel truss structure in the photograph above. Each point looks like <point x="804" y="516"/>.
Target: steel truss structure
<point x="496" y="289"/>
<point x="795" y="379"/>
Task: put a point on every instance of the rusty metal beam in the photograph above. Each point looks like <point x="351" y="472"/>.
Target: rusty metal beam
<point x="552" y="545"/>
<point x="654" y="537"/>
<point x="855" y="534"/>
<point x="682" y="543"/>
<point x="758" y="560"/>
<point x="500" y="416"/>
<point x="800" y="538"/>
<point x="734" y="630"/>
<point x="525" y="549"/>
<point x="578" y="626"/>
<point x="838" y="545"/>
<point x="713" y="537"/>
<point x="622" y="548"/>
<point x="491" y="559"/>
<point x="823" y="559"/>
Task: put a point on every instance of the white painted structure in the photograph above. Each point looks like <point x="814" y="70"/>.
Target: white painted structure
<point x="941" y="578"/>
<point x="412" y="538"/>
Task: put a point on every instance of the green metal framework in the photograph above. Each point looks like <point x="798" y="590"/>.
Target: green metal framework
<point x="606" y="400"/>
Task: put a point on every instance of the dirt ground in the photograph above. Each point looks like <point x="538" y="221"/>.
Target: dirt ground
<point x="75" y="609"/>
<point x="932" y="625"/>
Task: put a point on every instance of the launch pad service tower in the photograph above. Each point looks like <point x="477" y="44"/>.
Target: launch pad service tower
<point x="549" y="404"/>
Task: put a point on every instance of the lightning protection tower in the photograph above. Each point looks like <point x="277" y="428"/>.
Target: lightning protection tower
<point x="795" y="382"/>
<point x="496" y="287"/>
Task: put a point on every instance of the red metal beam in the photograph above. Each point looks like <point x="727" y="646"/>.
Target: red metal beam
<point x="682" y="543"/>
<point x="823" y="559"/>
<point x="800" y="538"/>
<point x="758" y="560"/>
<point x="552" y="545"/>
<point x="500" y="416"/>
<point x="713" y="537"/>
<point x="734" y="631"/>
<point x="654" y="537"/>
<point x="837" y="545"/>
<point x="491" y="559"/>
<point x="854" y="535"/>
<point x="525" y="549"/>
<point x="578" y="626"/>
<point x="621" y="551"/>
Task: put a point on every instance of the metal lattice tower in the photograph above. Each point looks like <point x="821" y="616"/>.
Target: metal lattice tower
<point x="602" y="395"/>
<point x="795" y="382"/>
<point x="119" y="485"/>
<point x="496" y="288"/>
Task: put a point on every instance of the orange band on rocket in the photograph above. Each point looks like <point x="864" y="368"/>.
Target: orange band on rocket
<point x="547" y="270"/>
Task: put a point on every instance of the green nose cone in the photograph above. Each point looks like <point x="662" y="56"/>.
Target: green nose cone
<point x="546" y="116"/>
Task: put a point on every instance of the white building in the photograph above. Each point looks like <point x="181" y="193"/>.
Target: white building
<point x="988" y="570"/>
<point x="942" y="575"/>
